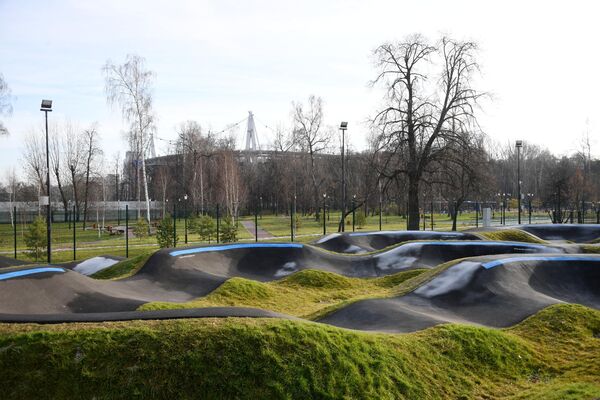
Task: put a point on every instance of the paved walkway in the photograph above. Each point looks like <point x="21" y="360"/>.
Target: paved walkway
<point x="262" y="234"/>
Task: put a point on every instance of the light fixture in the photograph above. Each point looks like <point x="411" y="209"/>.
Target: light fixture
<point x="46" y="105"/>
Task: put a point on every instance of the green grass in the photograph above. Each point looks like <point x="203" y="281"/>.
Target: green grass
<point x="124" y="268"/>
<point x="590" y="248"/>
<point x="553" y="354"/>
<point x="306" y="294"/>
<point x="512" y="235"/>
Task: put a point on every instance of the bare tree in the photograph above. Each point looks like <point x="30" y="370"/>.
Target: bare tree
<point x="129" y="86"/>
<point x="413" y="124"/>
<point x="5" y="103"/>
<point x="35" y="159"/>
<point x="310" y="136"/>
<point x="12" y="186"/>
<point x="74" y="153"/>
<point x="92" y="151"/>
<point x="462" y="172"/>
<point x="231" y="183"/>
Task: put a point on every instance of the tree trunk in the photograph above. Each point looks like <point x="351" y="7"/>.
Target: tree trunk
<point x="63" y="197"/>
<point x="85" y="201"/>
<point x="413" y="203"/>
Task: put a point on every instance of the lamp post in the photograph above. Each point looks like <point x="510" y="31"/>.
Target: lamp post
<point x="519" y="145"/>
<point x="46" y="108"/>
<point x="343" y="127"/>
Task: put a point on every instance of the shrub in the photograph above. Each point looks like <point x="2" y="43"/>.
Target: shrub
<point x="361" y="219"/>
<point x="204" y="226"/>
<point x="140" y="229"/>
<point x="229" y="230"/>
<point x="164" y="232"/>
<point x="36" y="238"/>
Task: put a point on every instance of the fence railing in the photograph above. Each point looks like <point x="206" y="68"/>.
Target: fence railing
<point x="116" y="235"/>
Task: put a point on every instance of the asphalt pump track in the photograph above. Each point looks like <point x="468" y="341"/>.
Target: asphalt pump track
<point x="497" y="296"/>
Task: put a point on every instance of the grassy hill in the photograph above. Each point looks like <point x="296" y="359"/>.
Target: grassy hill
<point x="553" y="354"/>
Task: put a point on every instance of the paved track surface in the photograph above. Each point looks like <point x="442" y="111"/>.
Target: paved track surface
<point x="362" y="242"/>
<point x="493" y="291"/>
<point x="571" y="232"/>
<point x="10" y="262"/>
<point x="497" y="296"/>
<point x="179" y="275"/>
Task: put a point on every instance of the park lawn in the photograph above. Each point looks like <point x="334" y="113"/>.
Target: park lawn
<point x="554" y="354"/>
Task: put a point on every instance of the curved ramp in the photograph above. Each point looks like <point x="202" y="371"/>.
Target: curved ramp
<point x="493" y="291"/>
<point x="363" y="242"/>
<point x="179" y="275"/>
<point x="578" y="233"/>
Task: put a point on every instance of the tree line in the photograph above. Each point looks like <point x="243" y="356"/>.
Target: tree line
<point x="425" y="148"/>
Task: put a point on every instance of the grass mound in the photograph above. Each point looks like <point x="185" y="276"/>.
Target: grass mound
<point x="304" y="294"/>
<point x="511" y="235"/>
<point x="124" y="268"/>
<point x="591" y="248"/>
<point x="390" y="281"/>
<point x="270" y="358"/>
<point x="242" y="289"/>
<point x="317" y="279"/>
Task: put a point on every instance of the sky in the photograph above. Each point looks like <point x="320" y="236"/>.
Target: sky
<point x="216" y="60"/>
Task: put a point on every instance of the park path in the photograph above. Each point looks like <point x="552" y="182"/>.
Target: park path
<point x="262" y="234"/>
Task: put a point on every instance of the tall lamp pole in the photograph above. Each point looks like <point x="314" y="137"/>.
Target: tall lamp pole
<point x="343" y="127"/>
<point x="519" y="145"/>
<point x="46" y="108"/>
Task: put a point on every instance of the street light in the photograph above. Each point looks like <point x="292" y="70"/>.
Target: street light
<point x="46" y="108"/>
<point x="343" y="127"/>
<point x="519" y="144"/>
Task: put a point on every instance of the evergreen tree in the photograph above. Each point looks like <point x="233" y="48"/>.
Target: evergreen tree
<point x="36" y="238"/>
<point x="141" y="228"/>
<point x="229" y="230"/>
<point x="164" y="232"/>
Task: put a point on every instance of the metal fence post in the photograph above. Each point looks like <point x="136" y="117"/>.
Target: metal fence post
<point x="292" y="222"/>
<point x="174" y="225"/>
<point x="74" y="237"/>
<point x="15" y="229"/>
<point x="256" y="224"/>
<point x="126" y="230"/>
<point x="218" y="224"/>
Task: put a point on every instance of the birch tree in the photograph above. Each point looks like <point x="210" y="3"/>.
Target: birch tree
<point x="129" y="86"/>
<point x="5" y="103"/>
<point x="311" y="137"/>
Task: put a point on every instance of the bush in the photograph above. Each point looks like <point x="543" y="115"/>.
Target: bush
<point x="229" y="230"/>
<point x="297" y="221"/>
<point x="204" y="226"/>
<point x="361" y="219"/>
<point x="164" y="232"/>
<point x="140" y="229"/>
<point x="36" y="238"/>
